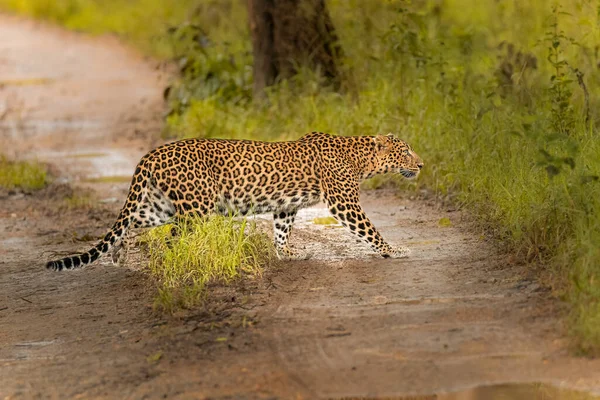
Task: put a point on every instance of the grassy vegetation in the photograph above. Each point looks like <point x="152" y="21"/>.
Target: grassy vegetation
<point x="499" y="99"/>
<point x="22" y="174"/>
<point x="217" y="249"/>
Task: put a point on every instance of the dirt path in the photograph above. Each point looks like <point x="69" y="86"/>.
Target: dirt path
<point x="455" y="315"/>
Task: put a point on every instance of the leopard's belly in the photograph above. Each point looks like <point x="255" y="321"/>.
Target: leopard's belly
<point x="258" y="202"/>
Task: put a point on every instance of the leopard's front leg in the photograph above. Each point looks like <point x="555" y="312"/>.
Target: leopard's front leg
<point x="345" y="207"/>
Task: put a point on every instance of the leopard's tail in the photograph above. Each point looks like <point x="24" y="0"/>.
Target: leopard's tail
<point x="117" y="232"/>
<point x="114" y="236"/>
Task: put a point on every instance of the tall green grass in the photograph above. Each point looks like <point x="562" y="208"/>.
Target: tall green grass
<point x="481" y="89"/>
<point x="22" y="174"/>
<point x="218" y="249"/>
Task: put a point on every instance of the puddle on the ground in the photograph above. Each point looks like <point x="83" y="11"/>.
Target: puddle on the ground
<point x="525" y="391"/>
<point x="102" y="165"/>
<point x="40" y="343"/>
<point x="434" y="300"/>
<point x="87" y="155"/>
<point x="26" y="82"/>
<point x="40" y="127"/>
<point x="109" y="179"/>
<point x="422" y="242"/>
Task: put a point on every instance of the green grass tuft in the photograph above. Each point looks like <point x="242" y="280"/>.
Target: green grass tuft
<point x="217" y="249"/>
<point x="325" y="221"/>
<point x="444" y="222"/>
<point x="22" y="174"/>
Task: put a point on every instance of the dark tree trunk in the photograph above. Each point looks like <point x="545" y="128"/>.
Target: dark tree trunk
<point x="287" y="34"/>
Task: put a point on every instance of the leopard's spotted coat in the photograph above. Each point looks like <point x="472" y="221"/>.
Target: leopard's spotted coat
<point x="202" y="176"/>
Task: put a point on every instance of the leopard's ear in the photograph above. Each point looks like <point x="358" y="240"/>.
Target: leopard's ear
<point x="383" y="144"/>
<point x="390" y="135"/>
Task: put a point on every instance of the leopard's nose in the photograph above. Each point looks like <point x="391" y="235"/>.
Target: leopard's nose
<point x="420" y="165"/>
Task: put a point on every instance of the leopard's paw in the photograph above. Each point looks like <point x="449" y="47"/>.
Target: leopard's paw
<point x="287" y="254"/>
<point x="115" y="255"/>
<point x="401" y="252"/>
<point x="398" y="252"/>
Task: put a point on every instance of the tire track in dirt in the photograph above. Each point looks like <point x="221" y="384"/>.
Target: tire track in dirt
<point x="456" y="314"/>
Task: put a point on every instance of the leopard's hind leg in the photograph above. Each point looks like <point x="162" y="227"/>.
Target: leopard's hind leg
<point x="146" y="206"/>
<point x="283" y="221"/>
<point x="155" y="209"/>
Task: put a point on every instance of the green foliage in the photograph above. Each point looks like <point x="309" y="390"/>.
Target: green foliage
<point x="207" y="70"/>
<point x="22" y="174"/>
<point x="563" y="114"/>
<point x="483" y="90"/>
<point x="217" y="249"/>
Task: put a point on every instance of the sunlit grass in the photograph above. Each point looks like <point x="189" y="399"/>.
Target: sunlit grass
<point x="215" y="249"/>
<point x="22" y="174"/>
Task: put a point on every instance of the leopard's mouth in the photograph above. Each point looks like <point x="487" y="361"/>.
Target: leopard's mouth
<point x="408" y="174"/>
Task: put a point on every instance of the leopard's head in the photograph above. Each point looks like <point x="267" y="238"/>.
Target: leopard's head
<point x="395" y="155"/>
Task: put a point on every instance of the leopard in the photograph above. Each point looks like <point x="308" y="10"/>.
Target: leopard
<point x="204" y="176"/>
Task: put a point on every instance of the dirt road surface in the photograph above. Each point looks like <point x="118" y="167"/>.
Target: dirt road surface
<point x="457" y="314"/>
